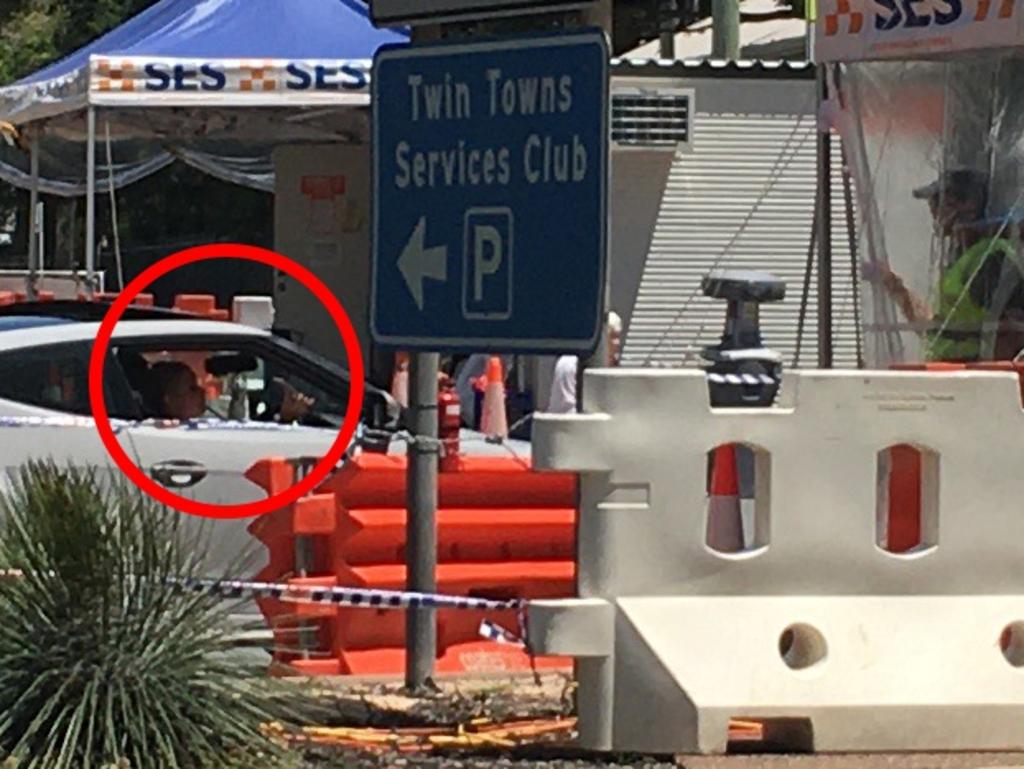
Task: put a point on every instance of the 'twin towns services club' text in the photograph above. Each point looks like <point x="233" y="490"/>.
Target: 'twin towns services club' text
<point x="543" y="159"/>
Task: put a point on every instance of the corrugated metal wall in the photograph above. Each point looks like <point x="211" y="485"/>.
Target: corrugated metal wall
<point x="744" y="199"/>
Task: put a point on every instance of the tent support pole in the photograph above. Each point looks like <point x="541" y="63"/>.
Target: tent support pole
<point x="90" y="203"/>
<point x="34" y="224"/>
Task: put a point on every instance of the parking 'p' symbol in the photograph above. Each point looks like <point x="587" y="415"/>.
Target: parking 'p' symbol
<point x="487" y="264"/>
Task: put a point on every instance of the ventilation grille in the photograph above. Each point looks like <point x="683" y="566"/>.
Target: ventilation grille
<point x="652" y="118"/>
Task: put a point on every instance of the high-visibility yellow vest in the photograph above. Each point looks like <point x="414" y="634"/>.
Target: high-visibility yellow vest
<point x="958" y="330"/>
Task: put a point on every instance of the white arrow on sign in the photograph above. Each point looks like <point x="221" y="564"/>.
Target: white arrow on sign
<point x="418" y="263"/>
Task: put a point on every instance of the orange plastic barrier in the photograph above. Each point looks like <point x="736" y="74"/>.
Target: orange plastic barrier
<point x="41" y="296"/>
<point x="377" y="535"/>
<point x="378" y="480"/>
<point x="201" y="304"/>
<point x="140" y="300"/>
<point x="504" y="532"/>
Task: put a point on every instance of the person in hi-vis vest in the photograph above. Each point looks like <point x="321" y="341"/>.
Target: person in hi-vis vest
<point x="978" y="313"/>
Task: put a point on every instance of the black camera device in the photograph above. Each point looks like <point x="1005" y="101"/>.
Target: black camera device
<point x="740" y="370"/>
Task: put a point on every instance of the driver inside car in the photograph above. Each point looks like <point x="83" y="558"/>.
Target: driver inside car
<point x="175" y="393"/>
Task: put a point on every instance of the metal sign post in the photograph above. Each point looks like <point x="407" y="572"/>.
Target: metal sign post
<point x="421" y="512"/>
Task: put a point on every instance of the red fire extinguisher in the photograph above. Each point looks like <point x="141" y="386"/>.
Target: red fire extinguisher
<point x="449" y="422"/>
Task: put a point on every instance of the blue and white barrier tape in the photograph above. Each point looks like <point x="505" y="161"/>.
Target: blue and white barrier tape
<point x="213" y="423"/>
<point x="54" y="422"/>
<point x="342" y="596"/>
<point x="495" y="632"/>
<point x="355" y="597"/>
<point x="367" y="598"/>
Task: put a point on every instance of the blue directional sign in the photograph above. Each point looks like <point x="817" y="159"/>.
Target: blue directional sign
<point x="490" y="225"/>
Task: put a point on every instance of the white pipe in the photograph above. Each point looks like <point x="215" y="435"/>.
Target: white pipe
<point x="113" y="211"/>
<point x="41" y="223"/>
<point x="90" y="203"/>
<point x="33" y="211"/>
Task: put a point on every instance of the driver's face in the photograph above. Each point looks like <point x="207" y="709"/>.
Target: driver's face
<point x="183" y="397"/>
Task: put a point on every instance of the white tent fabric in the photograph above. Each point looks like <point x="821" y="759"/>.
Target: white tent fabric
<point x="149" y="81"/>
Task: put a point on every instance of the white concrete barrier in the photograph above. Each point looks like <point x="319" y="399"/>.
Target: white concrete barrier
<point x="880" y="651"/>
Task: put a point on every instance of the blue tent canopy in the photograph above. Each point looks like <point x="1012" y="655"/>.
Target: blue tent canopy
<point x="212" y="53"/>
<point x="236" y="29"/>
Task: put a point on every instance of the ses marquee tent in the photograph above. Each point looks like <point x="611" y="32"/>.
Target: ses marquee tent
<point x="214" y="83"/>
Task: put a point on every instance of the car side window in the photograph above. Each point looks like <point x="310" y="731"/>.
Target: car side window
<point x="53" y="377"/>
<point x="296" y="372"/>
<point x="225" y="379"/>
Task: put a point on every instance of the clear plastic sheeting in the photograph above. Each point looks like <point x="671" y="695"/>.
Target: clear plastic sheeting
<point x="12" y="171"/>
<point x="254" y="172"/>
<point x="937" y="152"/>
<point x="232" y="145"/>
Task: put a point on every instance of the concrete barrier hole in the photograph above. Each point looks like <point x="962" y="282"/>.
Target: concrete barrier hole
<point x="802" y="646"/>
<point x="1011" y="642"/>
<point x="754" y="735"/>
<point x="738" y="496"/>
<point x="907" y="487"/>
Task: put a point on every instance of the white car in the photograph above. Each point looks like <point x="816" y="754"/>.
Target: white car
<point x="44" y="362"/>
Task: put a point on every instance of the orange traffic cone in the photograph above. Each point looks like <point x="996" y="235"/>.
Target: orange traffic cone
<point x="493" y="420"/>
<point x="400" y="379"/>
<point x="725" y="517"/>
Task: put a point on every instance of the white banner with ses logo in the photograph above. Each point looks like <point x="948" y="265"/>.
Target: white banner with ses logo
<point x="856" y="30"/>
<point x="226" y="82"/>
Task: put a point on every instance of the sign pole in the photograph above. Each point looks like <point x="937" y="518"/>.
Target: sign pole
<point x="421" y="511"/>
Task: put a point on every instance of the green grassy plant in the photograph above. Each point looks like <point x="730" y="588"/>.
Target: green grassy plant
<point x="102" y="662"/>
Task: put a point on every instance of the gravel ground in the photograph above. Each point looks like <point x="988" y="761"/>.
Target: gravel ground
<point x="458" y="701"/>
<point x="386" y="706"/>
